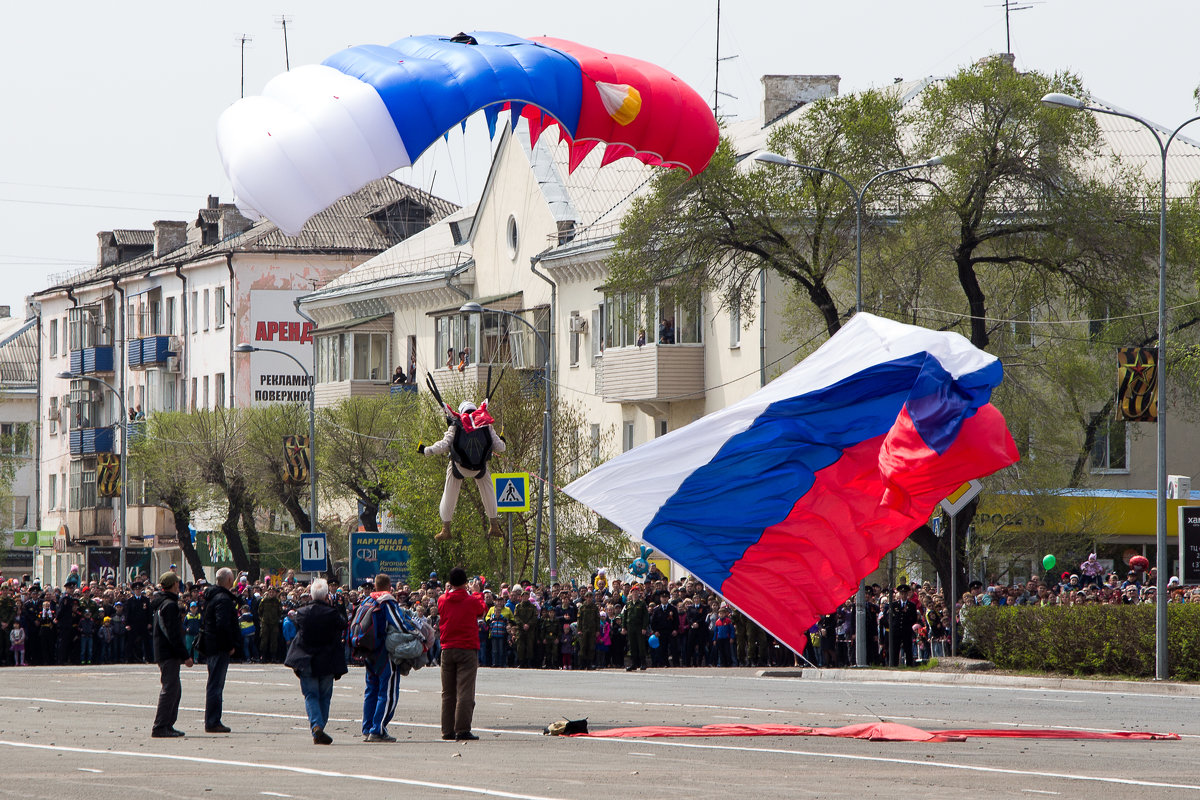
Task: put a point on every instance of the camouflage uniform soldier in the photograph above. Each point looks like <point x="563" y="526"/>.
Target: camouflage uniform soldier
<point x="527" y="628"/>
<point x="589" y="626"/>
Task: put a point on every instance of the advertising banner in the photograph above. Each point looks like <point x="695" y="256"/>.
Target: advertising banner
<point x="1189" y="544"/>
<point x="1137" y="384"/>
<point x="103" y="562"/>
<point x="275" y="378"/>
<point x="373" y="553"/>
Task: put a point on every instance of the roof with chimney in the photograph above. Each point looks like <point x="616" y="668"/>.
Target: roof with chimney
<point x="376" y="217"/>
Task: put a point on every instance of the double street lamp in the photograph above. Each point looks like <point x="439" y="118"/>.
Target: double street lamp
<point x="767" y="157"/>
<point x="123" y="426"/>
<point x="1160" y="540"/>
<point x="312" y="427"/>
<point x="547" y="466"/>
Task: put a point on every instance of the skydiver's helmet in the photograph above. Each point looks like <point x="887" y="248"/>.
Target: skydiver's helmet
<point x="466" y="407"/>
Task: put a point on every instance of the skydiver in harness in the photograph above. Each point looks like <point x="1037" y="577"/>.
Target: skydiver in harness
<point x="470" y="441"/>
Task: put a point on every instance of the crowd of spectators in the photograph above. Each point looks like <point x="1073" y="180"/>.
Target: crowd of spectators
<point x="586" y="624"/>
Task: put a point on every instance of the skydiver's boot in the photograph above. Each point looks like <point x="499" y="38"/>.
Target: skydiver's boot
<point x="494" y="528"/>
<point x="445" y="533"/>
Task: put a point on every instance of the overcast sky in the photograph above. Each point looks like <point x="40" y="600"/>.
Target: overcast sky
<point x="110" y="108"/>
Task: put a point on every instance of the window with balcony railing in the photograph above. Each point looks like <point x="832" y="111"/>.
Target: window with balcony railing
<point x="15" y="439"/>
<point x="663" y="316"/>
<point x="82" y="493"/>
<point x="88" y="328"/>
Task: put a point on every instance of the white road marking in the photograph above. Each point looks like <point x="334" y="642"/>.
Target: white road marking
<point x="1038" y="791"/>
<point x="275" y="794"/>
<point x="828" y="756"/>
<point x="321" y="773"/>
<point x="723" y="716"/>
<point x="647" y="755"/>
<point x="97" y="771"/>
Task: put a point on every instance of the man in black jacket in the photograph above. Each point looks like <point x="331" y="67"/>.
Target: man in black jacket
<point x="221" y="636"/>
<point x="902" y="616"/>
<point x="169" y="653"/>
<point x="317" y="656"/>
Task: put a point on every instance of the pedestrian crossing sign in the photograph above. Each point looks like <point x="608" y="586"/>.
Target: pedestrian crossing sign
<point x="512" y="491"/>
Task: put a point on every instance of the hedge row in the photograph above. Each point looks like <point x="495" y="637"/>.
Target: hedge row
<point x="1085" y="640"/>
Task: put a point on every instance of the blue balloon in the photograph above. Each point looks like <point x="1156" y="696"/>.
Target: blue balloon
<point x="654" y="641"/>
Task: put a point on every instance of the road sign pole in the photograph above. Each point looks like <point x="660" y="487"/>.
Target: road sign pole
<point x="510" y="554"/>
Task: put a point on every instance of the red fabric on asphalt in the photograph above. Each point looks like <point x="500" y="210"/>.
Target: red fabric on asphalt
<point x="872" y="731"/>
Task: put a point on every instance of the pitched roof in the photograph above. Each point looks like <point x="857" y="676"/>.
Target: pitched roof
<point x="346" y="226"/>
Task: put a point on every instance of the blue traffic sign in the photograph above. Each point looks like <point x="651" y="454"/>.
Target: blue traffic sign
<point x="312" y="552"/>
<point x="512" y="491"/>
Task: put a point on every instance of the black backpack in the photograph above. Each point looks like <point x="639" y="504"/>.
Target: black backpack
<point x="470" y="449"/>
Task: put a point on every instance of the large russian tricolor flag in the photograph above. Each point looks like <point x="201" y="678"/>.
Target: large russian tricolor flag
<point x="784" y="501"/>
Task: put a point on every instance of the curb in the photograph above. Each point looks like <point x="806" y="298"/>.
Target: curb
<point x="984" y="679"/>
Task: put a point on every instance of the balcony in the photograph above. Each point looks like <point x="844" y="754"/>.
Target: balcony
<point x="473" y="379"/>
<point x="94" y="524"/>
<point x="331" y="393"/>
<point x="89" y="441"/>
<point x="92" y="359"/>
<point x="150" y="351"/>
<point x="653" y="373"/>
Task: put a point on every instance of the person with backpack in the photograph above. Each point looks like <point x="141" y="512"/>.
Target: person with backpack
<point x="470" y="441"/>
<point x="169" y="653"/>
<point x="368" y="638"/>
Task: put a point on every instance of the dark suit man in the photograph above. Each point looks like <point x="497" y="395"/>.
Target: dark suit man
<point x="901" y="616"/>
<point x="169" y="652"/>
<point x="221" y="636"/>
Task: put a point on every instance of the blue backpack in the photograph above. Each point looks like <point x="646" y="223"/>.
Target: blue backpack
<point x="364" y="642"/>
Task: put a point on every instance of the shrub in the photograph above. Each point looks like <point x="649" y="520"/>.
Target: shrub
<point x="1086" y="640"/>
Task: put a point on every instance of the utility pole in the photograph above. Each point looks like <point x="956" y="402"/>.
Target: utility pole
<point x="282" y="20"/>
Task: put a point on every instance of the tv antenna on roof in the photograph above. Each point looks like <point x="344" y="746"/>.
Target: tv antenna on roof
<point x="1010" y="6"/>
<point x="240" y="41"/>
<point x="282" y="20"/>
<point x="717" y="93"/>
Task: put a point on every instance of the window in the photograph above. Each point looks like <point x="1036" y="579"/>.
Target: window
<point x="219" y="389"/>
<point x="169" y="319"/>
<point x="661" y="424"/>
<point x="595" y="432"/>
<point x="207" y="316"/>
<point x="195" y="311"/>
<point x="64" y="337"/>
<point x="574" y="326"/>
<point x="219" y="306"/>
<point x="87" y="329"/>
<point x="87" y="405"/>
<point x="597" y="332"/>
<point x="206" y="398"/>
<point x="192" y="399"/>
<point x="626" y="437"/>
<point x="357" y="356"/>
<point x="735" y="325"/>
<point x="82" y="493"/>
<point x="1111" y="446"/>
<point x="53" y="337"/>
<point x="512" y="237"/>
<point x="14" y="438"/>
<point x="54" y="415"/>
<point x="52" y="491"/>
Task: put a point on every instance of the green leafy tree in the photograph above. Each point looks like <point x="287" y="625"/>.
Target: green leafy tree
<point x="356" y="441"/>
<point x="218" y="444"/>
<point x="168" y="476"/>
<point x="266" y="426"/>
<point x="715" y="232"/>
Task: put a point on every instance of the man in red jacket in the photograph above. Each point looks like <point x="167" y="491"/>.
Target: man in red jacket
<point x="459" y="610"/>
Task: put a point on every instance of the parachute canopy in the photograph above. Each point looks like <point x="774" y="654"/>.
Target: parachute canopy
<point x="320" y="132"/>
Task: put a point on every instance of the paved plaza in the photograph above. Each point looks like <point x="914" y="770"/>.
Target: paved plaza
<point x="85" y="733"/>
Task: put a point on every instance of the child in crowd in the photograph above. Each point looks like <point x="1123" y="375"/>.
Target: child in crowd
<point x="87" y="638"/>
<point x="106" y="637"/>
<point x="603" y="641"/>
<point x="191" y="627"/>
<point x="16" y="642"/>
<point x="567" y="644"/>
<point x="249" y="643"/>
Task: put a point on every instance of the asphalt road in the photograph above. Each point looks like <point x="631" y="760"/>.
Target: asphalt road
<point x="84" y="733"/>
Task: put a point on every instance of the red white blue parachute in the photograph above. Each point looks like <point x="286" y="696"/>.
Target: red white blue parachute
<point x="320" y="132"/>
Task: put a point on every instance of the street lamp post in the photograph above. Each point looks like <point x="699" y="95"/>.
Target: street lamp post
<point x="767" y="157"/>
<point x="1160" y="616"/>
<point x="122" y="424"/>
<point x="547" y="467"/>
<point x="312" y="427"/>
